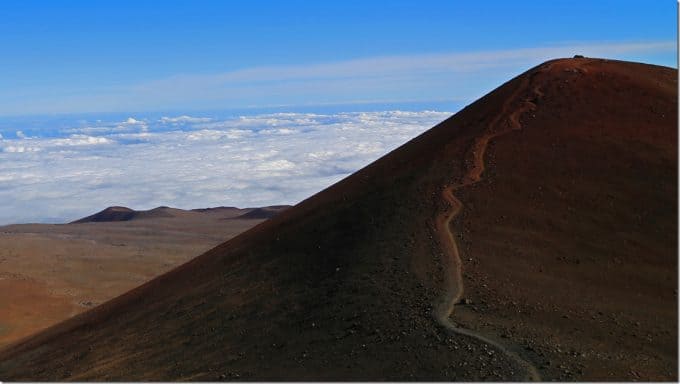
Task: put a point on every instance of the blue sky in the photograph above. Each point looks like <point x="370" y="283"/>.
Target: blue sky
<point x="84" y="56"/>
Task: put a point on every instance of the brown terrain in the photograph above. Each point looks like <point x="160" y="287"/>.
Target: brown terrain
<point x="49" y="273"/>
<point x="531" y="236"/>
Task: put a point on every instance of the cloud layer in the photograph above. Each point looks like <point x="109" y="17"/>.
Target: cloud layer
<point x="193" y="162"/>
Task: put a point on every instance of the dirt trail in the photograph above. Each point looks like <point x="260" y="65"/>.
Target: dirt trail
<point x="443" y="309"/>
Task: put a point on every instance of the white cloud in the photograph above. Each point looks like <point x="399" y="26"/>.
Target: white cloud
<point x="21" y="135"/>
<point x="19" y="149"/>
<point x="36" y="144"/>
<point x="79" y="140"/>
<point x="247" y="161"/>
<point x="371" y="77"/>
<point x="132" y="121"/>
<point x="276" y="165"/>
<point x="184" y="119"/>
<point x="390" y="66"/>
<point x="279" y="131"/>
<point x="100" y="127"/>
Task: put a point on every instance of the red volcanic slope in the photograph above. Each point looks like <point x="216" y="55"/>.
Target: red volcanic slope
<point x="560" y="187"/>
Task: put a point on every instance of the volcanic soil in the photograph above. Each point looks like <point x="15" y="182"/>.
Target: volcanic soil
<point x="531" y="236"/>
<point x="49" y="273"/>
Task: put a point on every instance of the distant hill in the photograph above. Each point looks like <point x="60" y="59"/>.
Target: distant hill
<point x="264" y="212"/>
<point x="127" y="214"/>
<point x="217" y="209"/>
<point x="109" y="214"/>
<point x="117" y="213"/>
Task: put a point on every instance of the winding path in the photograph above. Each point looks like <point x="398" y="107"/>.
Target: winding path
<point x="444" y="307"/>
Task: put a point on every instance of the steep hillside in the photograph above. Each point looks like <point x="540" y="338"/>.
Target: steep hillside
<point x="548" y="208"/>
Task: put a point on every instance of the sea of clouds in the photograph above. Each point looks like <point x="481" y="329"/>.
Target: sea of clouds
<point x="191" y="161"/>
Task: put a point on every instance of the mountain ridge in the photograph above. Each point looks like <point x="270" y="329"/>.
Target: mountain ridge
<point x="119" y="213"/>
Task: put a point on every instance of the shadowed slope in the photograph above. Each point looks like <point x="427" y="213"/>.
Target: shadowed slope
<point x="264" y="212"/>
<point x="343" y="285"/>
<point x="109" y="214"/>
<point x="112" y="214"/>
<point x="126" y="214"/>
